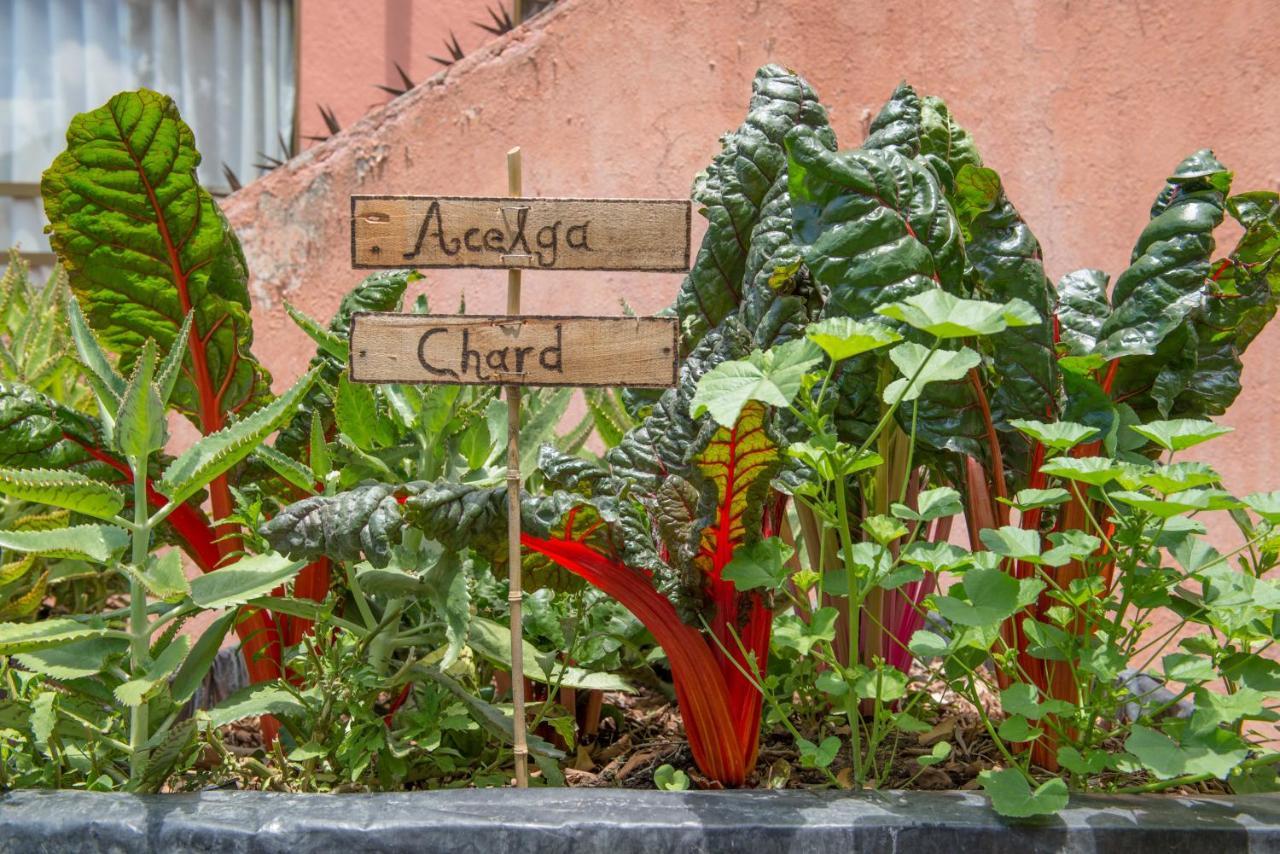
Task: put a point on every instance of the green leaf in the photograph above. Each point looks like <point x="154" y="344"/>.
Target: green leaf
<point x="24" y="637"/>
<point x="874" y="225"/>
<point x="937" y="557"/>
<point x="318" y="448"/>
<point x="163" y="576"/>
<point x="44" y="718"/>
<point x="843" y="337"/>
<point x="243" y="580"/>
<point x="772" y="378"/>
<point x="916" y="361"/>
<point x="1070" y="545"/>
<point x="1060" y="435"/>
<point x="944" y="315"/>
<point x="1024" y="700"/>
<point x="107" y="383"/>
<point x="669" y="779"/>
<point x="540" y="426"/>
<point x="140" y="425"/>
<point x="1077" y="763"/>
<point x="831" y="683"/>
<point x="818" y="755"/>
<point x="358" y="416"/>
<point x="73" y="659"/>
<point x="1160" y="507"/>
<point x="67" y="489"/>
<point x="170" y="367"/>
<point x="327" y="341"/>
<point x="993" y="597"/>
<point x="291" y="470"/>
<point x="363" y="522"/>
<point x="144" y="244"/>
<point x="310" y="750"/>
<point x="166" y="751"/>
<point x="883" y="683"/>
<point x="217" y="452"/>
<point x="445" y="585"/>
<point x="1214" y="710"/>
<point x="1180" y="433"/>
<point x="1012" y="796"/>
<point x="1265" y="504"/>
<point x="1012" y="542"/>
<point x="1097" y="471"/>
<point x="793" y="633"/>
<point x="1162" y="756"/>
<point x="136" y="690"/>
<point x="1082" y="309"/>
<point x="192" y="672"/>
<point x="759" y="565"/>
<point x="265" y="698"/>
<point x="1185" y="667"/>
<point x="97" y="543"/>
<point x="1176" y="477"/>
<point x="1016" y="729"/>
<point x="1030" y="499"/>
<point x="941" y="752"/>
<point x="931" y="504"/>
<point x="884" y="529"/>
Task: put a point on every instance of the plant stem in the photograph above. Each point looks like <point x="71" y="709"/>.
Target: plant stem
<point x="1188" y="779"/>
<point x="855" y="629"/>
<point x="139" y="629"/>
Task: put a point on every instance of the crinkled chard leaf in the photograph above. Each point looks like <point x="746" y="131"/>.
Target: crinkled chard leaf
<point x="1164" y="282"/>
<point x="364" y="522"/>
<point x="733" y="191"/>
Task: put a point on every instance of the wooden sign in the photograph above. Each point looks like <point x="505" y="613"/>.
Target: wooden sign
<point x="543" y="234"/>
<point x="503" y="350"/>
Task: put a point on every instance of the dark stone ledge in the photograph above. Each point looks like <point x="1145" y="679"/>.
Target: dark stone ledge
<point x="614" y="821"/>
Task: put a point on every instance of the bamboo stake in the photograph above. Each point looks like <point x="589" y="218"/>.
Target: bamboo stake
<point x="515" y="593"/>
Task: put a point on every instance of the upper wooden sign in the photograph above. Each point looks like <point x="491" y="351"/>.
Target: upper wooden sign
<point x="526" y="349"/>
<point x="540" y="234"/>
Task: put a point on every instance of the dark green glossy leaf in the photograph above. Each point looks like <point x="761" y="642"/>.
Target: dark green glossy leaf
<point x="1082" y="309"/>
<point x="732" y="192"/>
<point x="1164" y="282"/>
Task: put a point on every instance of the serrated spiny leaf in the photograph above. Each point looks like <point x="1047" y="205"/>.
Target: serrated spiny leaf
<point x="216" y="453"/>
<point x="66" y="489"/>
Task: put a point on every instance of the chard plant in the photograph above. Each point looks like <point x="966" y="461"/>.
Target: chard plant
<point x="149" y="256"/>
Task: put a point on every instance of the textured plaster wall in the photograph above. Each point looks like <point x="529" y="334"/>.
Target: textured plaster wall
<point x="1083" y="107"/>
<point x="348" y="47"/>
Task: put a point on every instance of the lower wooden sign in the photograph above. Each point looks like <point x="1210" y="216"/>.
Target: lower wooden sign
<point x="513" y="350"/>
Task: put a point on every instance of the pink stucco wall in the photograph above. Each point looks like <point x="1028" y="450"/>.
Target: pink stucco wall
<point x="346" y="49"/>
<point x="1083" y="107"/>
